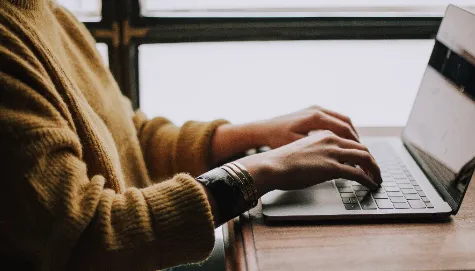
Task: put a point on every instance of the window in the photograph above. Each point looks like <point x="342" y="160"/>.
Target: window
<point x="104" y="52"/>
<point x="301" y="8"/>
<point x="85" y="10"/>
<point x="373" y="81"/>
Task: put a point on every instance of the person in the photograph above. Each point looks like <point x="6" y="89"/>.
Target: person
<point x="89" y="184"/>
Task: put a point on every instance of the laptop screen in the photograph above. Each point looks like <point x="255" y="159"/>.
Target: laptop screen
<point x="440" y="133"/>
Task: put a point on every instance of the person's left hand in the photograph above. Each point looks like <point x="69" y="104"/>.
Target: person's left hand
<point x="279" y="131"/>
<point x="230" y="139"/>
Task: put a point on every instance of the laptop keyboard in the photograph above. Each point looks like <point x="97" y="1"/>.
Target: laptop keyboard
<point x="399" y="190"/>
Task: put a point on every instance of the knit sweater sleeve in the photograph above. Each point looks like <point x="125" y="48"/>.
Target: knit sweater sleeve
<point x="58" y="216"/>
<point x="169" y="149"/>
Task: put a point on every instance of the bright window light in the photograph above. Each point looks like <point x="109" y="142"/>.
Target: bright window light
<point x="372" y="81"/>
<point x="85" y="10"/>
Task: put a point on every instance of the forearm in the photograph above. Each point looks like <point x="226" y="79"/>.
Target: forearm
<point x="230" y="140"/>
<point x="169" y="149"/>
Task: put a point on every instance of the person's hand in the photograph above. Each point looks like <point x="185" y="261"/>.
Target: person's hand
<point x="283" y="130"/>
<point x="317" y="158"/>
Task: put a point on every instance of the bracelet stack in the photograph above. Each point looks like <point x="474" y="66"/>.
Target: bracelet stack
<point x="232" y="188"/>
<point x="244" y="181"/>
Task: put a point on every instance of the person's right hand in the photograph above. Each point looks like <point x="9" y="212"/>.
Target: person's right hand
<point x="320" y="157"/>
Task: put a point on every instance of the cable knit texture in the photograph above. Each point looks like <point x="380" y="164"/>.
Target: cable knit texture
<point x="84" y="178"/>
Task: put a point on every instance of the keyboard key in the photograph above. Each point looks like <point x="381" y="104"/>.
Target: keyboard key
<point x="401" y="205"/>
<point x="397" y="199"/>
<point x="417" y="204"/>
<point x="398" y="181"/>
<point x="360" y="188"/>
<point x="414" y="183"/>
<point x="391" y="189"/>
<point x="405" y="185"/>
<point x="395" y="194"/>
<point x="342" y="183"/>
<point x="386" y="184"/>
<point x="418" y="188"/>
<point x="384" y="204"/>
<point x="411" y="196"/>
<point x="350" y="200"/>
<point x="408" y="191"/>
<point x="429" y="205"/>
<point x="425" y="199"/>
<point x="354" y="183"/>
<point x="345" y="190"/>
<point x="347" y="195"/>
<point x="352" y="207"/>
<point x="380" y="195"/>
<point x="399" y="176"/>
<point x="378" y="190"/>
<point x="387" y="178"/>
<point x="362" y="193"/>
<point x="369" y="205"/>
<point x="421" y="193"/>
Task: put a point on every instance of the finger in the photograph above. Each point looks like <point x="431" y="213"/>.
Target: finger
<point x="357" y="175"/>
<point x="351" y="144"/>
<point x="339" y="127"/>
<point x="364" y="160"/>
<point x="340" y="117"/>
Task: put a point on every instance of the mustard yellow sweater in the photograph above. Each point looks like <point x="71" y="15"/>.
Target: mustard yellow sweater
<point x="79" y="169"/>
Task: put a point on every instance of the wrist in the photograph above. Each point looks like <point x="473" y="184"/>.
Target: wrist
<point x="262" y="171"/>
<point x="255" y="132"/>
<point x="232" y="139"/>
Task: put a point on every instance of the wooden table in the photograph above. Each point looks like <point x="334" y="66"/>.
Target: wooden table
<point x="250" y="244"/>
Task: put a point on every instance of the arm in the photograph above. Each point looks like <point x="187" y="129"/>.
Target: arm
<point x="169" y="149"/>
<point x="58" y="215"/>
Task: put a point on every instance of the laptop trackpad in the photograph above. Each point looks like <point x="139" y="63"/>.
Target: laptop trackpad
<point x="319" y="199"/>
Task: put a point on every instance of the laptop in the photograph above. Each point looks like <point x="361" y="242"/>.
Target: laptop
<point x="427" y="170"/>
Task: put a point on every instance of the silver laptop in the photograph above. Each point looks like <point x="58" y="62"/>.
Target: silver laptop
<point x="427" y="170"/>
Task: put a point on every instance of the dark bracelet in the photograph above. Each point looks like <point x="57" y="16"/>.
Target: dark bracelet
<point x="228" y="195"/>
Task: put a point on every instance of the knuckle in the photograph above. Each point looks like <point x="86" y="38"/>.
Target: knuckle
<point x="330" y="137"/>
<point x="334" y="152"/>
<point x="347" y="129"/>
<point x="367" y="157"/>
<point x="317" y="116"/>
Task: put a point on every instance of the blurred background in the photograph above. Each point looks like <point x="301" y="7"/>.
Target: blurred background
<point x="364" y="58"/>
